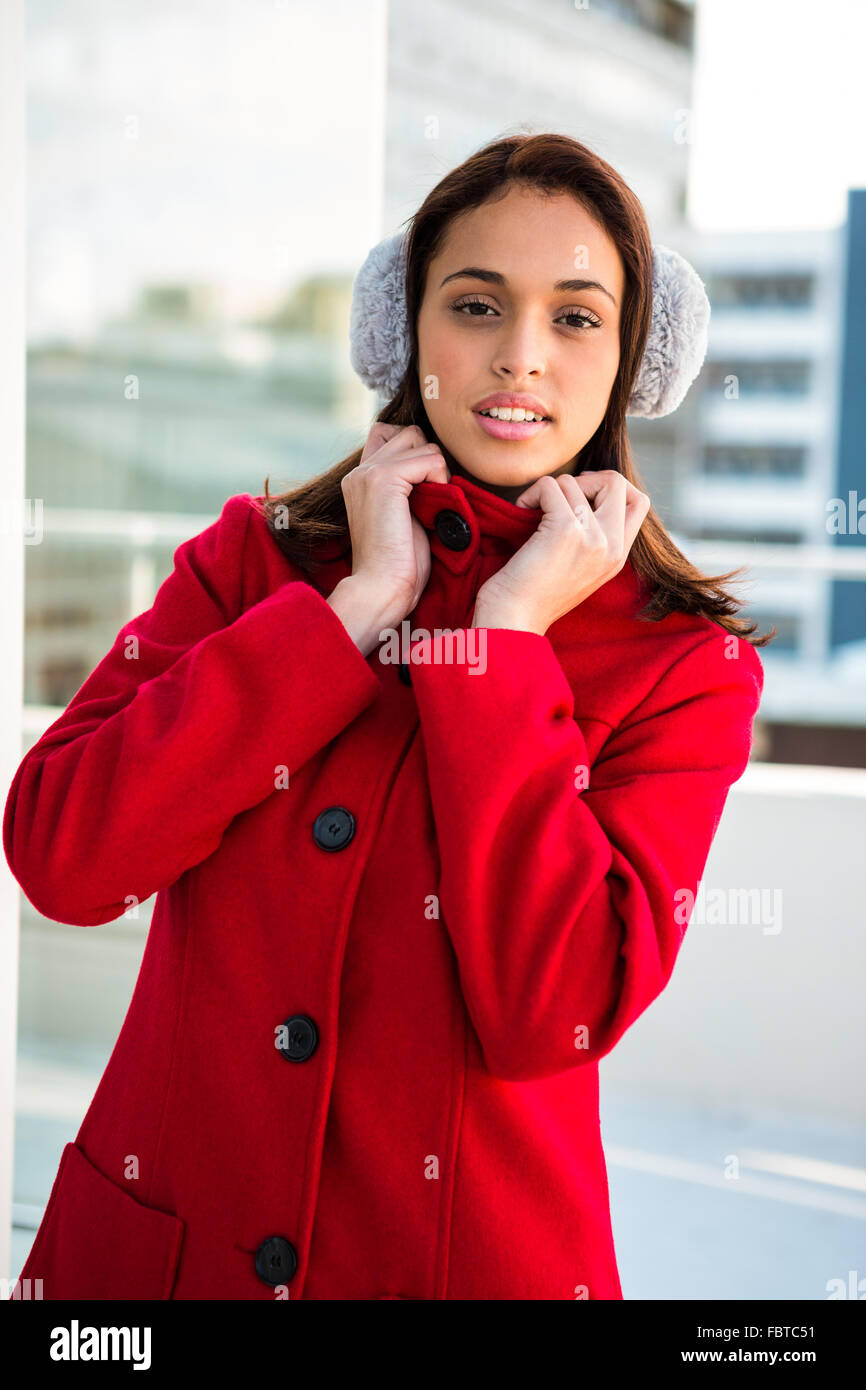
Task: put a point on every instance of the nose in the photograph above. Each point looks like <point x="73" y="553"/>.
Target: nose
<point x="519" y="351"/>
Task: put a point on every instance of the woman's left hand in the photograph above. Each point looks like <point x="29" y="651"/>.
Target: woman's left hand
<point x="586" y="530"/>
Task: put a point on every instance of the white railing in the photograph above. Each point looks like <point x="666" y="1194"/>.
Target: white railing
<point x="142" y="529"/>
<point x="96" y="526"/>
<point x="836" y="561"/>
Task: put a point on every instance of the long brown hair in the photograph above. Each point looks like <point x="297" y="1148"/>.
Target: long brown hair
<point x="551" y="163"/>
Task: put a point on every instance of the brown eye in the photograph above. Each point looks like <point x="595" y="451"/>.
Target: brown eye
<point x="585" y="319"/>
<point x="470" y="303"/>
<point x="467" y="306"/>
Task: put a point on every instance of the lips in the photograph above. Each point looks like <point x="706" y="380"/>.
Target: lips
<point x="511" y="429"/>
<point x="514" y="400"/>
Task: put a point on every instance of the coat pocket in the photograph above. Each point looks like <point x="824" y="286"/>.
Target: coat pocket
<point x="98" y="1241"/>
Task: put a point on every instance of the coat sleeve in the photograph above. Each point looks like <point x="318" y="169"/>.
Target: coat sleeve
<point x="564" y="901"/>
<point x="184" y="724"/>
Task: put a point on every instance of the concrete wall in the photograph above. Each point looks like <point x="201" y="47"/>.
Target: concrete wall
<point x="756" y="1015"/>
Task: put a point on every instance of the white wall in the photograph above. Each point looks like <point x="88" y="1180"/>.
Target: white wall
<point x="752" y="1015"/>
<point x="12" y="400"/>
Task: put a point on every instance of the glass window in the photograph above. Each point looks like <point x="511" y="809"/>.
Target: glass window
<point x="768" y="460"/>
<point x="760" y="377"/>
<point x="190" y="277"/>
<point x="745" y="290"/>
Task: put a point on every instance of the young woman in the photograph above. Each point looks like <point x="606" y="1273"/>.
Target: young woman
<point x="423" y="761"/>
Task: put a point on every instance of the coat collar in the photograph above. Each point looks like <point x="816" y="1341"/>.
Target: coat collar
<point x="492" y="526"/>
<point x="499" y="527"/>
<point x="490" y="518"/>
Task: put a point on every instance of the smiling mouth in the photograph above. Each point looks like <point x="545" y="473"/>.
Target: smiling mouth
<point x="512" y="429"/>
<point x="499" y="412"/>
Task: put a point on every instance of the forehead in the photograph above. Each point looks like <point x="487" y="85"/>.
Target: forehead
<point x="533" y="239"/>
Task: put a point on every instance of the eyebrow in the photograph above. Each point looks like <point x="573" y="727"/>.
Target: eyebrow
<point x="493" y="277"/>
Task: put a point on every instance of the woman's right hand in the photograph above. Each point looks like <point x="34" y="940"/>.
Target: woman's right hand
<point x="390" y="548"/>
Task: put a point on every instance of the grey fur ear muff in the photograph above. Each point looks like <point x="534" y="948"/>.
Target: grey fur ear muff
<point x="379" y="343"/>
<point x="673" y="356"/>
<point x="677" y="341"/>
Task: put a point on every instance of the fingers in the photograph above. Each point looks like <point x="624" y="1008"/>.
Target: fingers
<point x="542" y="493"/>
<point x="575" y="496"/>
<point x="637" y="504"/>
<point x="636" y="510"/>
<point x="614" y="496"/>
<point x="599" y="485"/>
<point x="605" y="491"/>
<point x="603" y="500"/>
<point x="379" y="435"/>
<point x="405" y="467"/>
<point x="392" y="438"/>
<point x="414" y="466"/>
<point x="390" y="443"/>
<point x="558" y="497"/>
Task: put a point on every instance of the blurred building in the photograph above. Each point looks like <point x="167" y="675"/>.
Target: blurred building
<point x="770" y="453"/>
<point x="142" y="434"/>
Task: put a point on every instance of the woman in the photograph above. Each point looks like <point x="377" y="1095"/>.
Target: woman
<point x="408" y="897"/>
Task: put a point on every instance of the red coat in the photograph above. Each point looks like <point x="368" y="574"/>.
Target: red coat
<point x="454" y="926"/>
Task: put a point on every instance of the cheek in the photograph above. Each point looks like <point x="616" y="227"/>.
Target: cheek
<point x="611" y="359"/>
<point x="450" y="360"/>
<point x="596" y="371"/>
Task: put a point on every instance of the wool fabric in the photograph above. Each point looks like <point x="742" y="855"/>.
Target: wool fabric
<point x="516" y="836"/>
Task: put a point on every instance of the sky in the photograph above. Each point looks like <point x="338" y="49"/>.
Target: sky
<point x="778" y="113"/>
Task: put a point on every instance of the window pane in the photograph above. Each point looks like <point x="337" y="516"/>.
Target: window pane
<point x="191" y="252"/>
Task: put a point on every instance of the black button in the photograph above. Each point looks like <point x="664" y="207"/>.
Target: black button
<point x="405" y="673"/>
<point x="334" y="827"/>
<point x="302" y="1038"/>
<point x="452" y="529"/>
<point x="276" y="1260"/>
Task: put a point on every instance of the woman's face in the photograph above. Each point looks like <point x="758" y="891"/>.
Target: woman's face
<point x="499" y="324"/>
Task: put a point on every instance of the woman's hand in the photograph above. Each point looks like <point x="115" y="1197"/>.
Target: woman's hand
<point x="390" y="548"/>
<point x="587" y="527"/>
